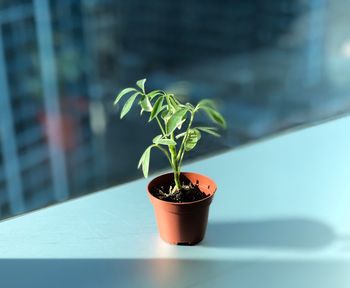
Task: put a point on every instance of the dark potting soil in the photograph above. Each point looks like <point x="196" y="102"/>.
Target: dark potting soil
<point x="188" y="193"/>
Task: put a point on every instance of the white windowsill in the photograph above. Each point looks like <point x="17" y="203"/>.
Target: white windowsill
<point x="281" y="201"/>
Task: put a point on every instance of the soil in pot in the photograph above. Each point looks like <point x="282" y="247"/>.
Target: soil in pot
<point x="189" y="192"/>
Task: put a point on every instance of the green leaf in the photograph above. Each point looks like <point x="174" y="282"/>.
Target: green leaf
<point x="157" y="108"/>
<point x="215" y="116"/>
<point x="154" y="93"/>
<point x="207" y="103"/>
<point x="166" y="114"/>
<point x="176" y="104"/>
<point x="163" y="141"/>
<point x="182" y="122"/>
<point x="172" y="103"/>
<point x="193" y="137"/>
<point x="145" y="104"/>
<point x="122" y="93"/>
<point x="155" y="139"/>
<point x="144" y="161"/>
<point x="209" y="130"/>
<point x="190" y="106"/>
<point x="128" y="105"/>
<point x="141" y="84"/>
<point x="175" y="120"/>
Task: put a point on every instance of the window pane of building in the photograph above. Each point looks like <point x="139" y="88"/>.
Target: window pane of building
<point x="270" y="65"/>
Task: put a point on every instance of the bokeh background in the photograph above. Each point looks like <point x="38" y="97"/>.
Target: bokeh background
<point x="271" y="65"/>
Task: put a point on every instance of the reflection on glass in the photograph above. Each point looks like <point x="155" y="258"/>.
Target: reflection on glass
<point x="270" y="64"/>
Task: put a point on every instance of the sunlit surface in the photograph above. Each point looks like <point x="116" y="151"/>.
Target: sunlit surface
<point x="273" y="223"/>
<point x="270" y="64"/>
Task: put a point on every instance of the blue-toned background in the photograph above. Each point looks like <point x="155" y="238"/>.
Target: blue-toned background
<point x="270" y="64"/>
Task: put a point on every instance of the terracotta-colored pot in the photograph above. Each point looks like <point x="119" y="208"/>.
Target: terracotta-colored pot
<point x="183" y="223"/>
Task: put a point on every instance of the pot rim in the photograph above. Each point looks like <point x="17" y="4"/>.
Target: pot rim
<point x="182" y="203"/>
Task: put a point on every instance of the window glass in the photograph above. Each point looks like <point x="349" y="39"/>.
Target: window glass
<point x="270" y="65"/>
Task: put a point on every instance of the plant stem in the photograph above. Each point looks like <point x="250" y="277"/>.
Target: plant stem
<point x="161" y="148"/>
<point x="159" y="123"/>
<point x="160" y="126"/>
<point x="175" y="164"/>
<point x="182" y="147"/>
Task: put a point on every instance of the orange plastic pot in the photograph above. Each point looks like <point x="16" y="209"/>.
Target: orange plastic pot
<point x="182" y="223"/>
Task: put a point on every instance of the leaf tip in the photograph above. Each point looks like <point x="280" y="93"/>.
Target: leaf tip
<point x="141" y="84"/>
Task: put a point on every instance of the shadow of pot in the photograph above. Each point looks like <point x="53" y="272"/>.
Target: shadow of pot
<point x="182" y="223"/>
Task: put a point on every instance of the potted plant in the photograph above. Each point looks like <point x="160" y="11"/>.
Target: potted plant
<point x="181" y="199"/>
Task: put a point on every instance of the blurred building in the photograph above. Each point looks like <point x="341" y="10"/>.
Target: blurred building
<point x="270" y="64"/>
<point x="45" y="125"/>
